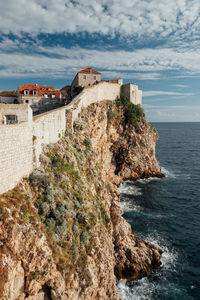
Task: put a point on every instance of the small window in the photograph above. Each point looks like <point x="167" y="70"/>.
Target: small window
<point x="26" y="92"/>
<point x="34" y="92"/>
<point x="11" y="119"/>
<point x="53" y="96"/>
<point x="95" y="77"/>
<point x="26" y="101"/>
<point x="45" y="96"/>
<point x="84" y="76"/>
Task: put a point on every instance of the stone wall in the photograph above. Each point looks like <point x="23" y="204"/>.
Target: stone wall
<point x="15" y="154"/>
<point x="22" y="111"/>
<point x="96" y="93"/>
<point x="21" y="144"/>
<point x="132" y="91"/>
<point x="47" y="128"/>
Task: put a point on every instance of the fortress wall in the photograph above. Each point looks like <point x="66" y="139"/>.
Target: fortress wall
<point x="21" y="144"/>
<point x="96" y="93"/>
<point x="132" y="91"/>
<point x="22" y="111"/>
<point x="15" y="154"/>
<point x="47" y="128"/>
<point x="139" y="97"/>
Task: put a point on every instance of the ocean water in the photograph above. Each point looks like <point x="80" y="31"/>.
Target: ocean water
<point x="166" y="212"/>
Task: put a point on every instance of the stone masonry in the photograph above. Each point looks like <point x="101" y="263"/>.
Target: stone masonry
<point x="21" y="144"/>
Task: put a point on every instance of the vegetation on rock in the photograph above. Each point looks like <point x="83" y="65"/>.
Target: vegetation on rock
<point x="71" y="201"/>
<point x="132" y="113"/>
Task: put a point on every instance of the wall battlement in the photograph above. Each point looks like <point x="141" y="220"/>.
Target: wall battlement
<point x="21" y="144"/>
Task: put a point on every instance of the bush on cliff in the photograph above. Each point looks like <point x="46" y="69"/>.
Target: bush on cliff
<point x="132" y="113"/>
<point x="77" y="90"/>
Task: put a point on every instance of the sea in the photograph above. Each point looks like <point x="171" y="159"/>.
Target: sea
<point x="166" y="212"/>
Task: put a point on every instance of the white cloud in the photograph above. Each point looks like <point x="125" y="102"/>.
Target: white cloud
<point x="20" y="58"/>
<point x="134" y="18"/>
<point x="180" y="85"/>
<point x="173" y="113"/>
<point x="164" y="93"/>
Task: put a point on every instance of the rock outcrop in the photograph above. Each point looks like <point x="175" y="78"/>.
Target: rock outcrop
<point x="62" y="234"/>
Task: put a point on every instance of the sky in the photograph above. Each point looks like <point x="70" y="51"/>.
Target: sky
<point x="152" y="43"/>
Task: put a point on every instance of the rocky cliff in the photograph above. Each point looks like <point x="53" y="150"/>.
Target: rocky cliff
<point x="62" y="234"/>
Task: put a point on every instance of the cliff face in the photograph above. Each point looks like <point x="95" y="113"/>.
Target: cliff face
<point x="62" y="234"/>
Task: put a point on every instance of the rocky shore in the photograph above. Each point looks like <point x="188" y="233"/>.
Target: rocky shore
<point x="62" y="234"/>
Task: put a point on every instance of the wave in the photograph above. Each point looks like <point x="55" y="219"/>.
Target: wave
<point x="169" y="256"/>
<point x="168" y="173"/>
<point x="147" y="287"/>
<point x="129" y="188"/>
<point x="147" y="180"/>
<point x="128" y="206"/>
<point x="143" y="290"/>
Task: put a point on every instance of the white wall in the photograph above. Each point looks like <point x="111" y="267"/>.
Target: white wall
<point x="15" y="154"/>
<point x="47" y="128"/>
<point x="21" y="144"/>
<point x="96" y="93"/>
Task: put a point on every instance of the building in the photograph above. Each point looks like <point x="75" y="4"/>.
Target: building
<point x="86" y="77"/>
<point x="132" y="91"/>
<point x="8" y="97"/>
<point x="34" y="94"/>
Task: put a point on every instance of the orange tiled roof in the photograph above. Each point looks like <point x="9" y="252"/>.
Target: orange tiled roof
<point x="41" y="90"/>
<point x="8" y="93"/>
<point x="88" y="71"/>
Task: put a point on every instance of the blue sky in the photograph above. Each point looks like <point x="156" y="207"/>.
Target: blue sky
<point x="152" y="43"/>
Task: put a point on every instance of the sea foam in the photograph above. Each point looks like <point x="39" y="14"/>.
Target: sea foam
<point x="129" y="188"/>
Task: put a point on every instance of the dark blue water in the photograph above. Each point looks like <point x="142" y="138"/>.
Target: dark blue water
<point x="167" y="213"/>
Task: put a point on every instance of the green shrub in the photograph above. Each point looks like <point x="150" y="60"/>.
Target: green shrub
<point x="132" y="113"/>
<point x="83" y="236"/>
<point x="109" y="116"/>
<point x="59" y="230"/>
<point x="44" y="208"/>
<point x="87" y="142"/>
<point x="77" y="90"/>
<point x="50" y="222"/>
<point x="75" y="228"/>
<point x="37" y="177"/>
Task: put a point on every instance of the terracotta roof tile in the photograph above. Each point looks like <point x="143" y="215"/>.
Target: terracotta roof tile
<point x="8" y="93"/>
<point x="41" y="89"/>
<point x="88" y="71"/>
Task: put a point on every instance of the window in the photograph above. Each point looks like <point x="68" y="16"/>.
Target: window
<point x="95" y="77"/>
<point x="26" y="101"/>
<point x="26" y="92"/>
<point x="53" y="96"/>
<point x="84" y="76"/>
<point x="11" y="119"/>
<point x="34" y="92"/>
<point x="45" y="96"/>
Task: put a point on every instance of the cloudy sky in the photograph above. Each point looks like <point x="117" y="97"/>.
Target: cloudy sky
<point x="152" y="43"/>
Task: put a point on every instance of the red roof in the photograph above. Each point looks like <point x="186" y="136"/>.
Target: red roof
<point x="114" y="80"/>
<point x="41" y="90"/>
<point x="88" y="71"/>
<point x="8" y="93"/>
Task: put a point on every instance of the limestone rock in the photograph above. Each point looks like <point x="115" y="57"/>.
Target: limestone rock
<point x="62" y="234"/>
